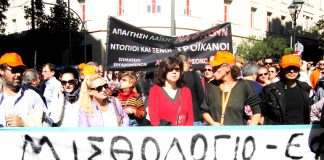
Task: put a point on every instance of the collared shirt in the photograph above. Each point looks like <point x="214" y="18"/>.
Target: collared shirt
<point x="26" y="103"/>
<point x="52" y="86"/>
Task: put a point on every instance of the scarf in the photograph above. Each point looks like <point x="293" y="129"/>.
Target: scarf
<point x="73" y="96"/>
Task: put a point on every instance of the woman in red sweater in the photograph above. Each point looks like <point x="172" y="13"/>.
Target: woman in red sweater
<point x="168" y="100"/>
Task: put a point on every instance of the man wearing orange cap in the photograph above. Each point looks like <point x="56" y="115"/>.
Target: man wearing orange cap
<point x="19" y="106"/>
<point x="287" y="101"/>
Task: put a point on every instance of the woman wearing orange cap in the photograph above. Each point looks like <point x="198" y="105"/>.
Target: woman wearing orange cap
<point x="225" y="102"/>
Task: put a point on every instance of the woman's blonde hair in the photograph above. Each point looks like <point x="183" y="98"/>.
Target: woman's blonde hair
<point x="85" y="98"/>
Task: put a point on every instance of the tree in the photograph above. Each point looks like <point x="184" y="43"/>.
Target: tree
<point x="3" y="8"/>
<point x="320" y="29"/>
<point x="254" y="49"/>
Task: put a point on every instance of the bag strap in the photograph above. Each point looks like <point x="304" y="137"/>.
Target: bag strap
<point x="116" y="111"/>
<point x="179" y="107"/>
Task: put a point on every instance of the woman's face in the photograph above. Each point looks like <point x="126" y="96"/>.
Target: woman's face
<point x="208" y="72"/>
<point x="125" y="83"/>
<point x="68" y="82"/>
<point x="98" y="89"/>
<point x="220" y="71"/>
<point x="173" y="75"/>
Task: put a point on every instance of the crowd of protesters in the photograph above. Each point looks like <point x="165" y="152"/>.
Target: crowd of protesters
<point x="225" y="92"/>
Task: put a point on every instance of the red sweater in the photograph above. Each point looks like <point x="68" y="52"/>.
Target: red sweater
<point x="161" y="106"/>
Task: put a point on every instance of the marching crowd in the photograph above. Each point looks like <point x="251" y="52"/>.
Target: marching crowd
<point x="225" y="92"/>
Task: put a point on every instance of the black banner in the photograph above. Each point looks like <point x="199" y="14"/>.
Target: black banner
<point x="132" y="48"/>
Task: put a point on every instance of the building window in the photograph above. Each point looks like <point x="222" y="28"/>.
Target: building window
<point x="158" y="8"/>
<point x="227" y="4"/>
<point x="148" y="9"/>
<point x="253" y="10"/>
<point x="269" y="22"/>
<point x="121" y="7"/>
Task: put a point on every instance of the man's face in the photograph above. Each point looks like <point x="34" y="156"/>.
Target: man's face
<point x="268" y="62"/>
<point x="321" y="65"/>
<point x="12" y="77"/>
<point x="47" y="73"/>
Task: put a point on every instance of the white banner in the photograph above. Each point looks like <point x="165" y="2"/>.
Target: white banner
<point x="167" y="143"/>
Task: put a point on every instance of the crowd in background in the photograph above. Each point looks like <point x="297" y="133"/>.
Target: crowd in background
<point x="226" y="91"/>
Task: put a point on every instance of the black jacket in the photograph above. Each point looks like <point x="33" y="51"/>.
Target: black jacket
<point x="273" y="102"/>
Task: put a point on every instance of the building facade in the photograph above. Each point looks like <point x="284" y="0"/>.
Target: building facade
<point x="248" y="17"/>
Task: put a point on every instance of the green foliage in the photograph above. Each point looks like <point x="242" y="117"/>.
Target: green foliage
<point x="57" y="21"/>
<point x="254" y="49"/>
<point x="320" y="29"/>
<point x="3" y="8"/>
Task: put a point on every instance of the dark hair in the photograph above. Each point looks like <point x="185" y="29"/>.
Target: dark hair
<point x="165" y="65"/>
<point x="51" y="66"/>
<point x="72" y="71"/>
<point x="235" y="71"/>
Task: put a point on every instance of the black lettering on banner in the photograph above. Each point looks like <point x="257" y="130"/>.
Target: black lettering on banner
<point x="145" y="141"/>
<point x="175" y="142"/>
<point x="120" y="151"/>
<point x="37" y="149"/>
<point x="236" y="146"/>
<point x="317" y="145"/>
<point x="248" y="139"/>
<point x="292" y="137"/>
<point x="75" y="150"/>
<point x="219" y="137"/>
<point x="194" y="140"/>
<point x="95" y="147"/>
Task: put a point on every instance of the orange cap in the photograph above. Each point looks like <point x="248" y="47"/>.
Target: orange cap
<point x="12" y="59"/>
<point x="81" y="66"/>
<point x="89" y="70"/>
<point x="290" y="60"/>
<point x="222" y="57"/>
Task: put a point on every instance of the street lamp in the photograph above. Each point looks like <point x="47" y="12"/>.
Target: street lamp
<point x="294" y="10"/>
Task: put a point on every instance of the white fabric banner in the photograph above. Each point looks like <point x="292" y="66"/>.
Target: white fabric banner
<point x="167" y="143"/>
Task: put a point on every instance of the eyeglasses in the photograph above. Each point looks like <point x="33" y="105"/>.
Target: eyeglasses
<point x="15" y="70"/>
<point x="215" y="68"/>
<point x="268" y="63"/>
<point x="99" y="88"/>
<point x="321" y="64"/>
<point x="208" y="69"/>
<point x="70" y="82"/>
<point x="177" y="69"/>
<point x="262" y="74"/>
<point x="292" y="68"/>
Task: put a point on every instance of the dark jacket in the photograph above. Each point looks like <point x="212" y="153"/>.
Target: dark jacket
<point x="192" y="80"/>
<point x="273" y="102"/>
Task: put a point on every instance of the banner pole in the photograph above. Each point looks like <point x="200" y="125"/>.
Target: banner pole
<point x="173" y="25"/>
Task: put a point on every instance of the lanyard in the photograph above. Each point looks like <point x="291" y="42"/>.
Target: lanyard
<point x="225" y="99"/>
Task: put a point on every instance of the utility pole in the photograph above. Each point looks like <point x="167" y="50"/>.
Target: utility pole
<point x="69" y="21"/>
<point x="173" y="24"/>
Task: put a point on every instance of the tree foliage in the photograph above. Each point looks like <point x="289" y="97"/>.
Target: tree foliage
<point x="4" y="4"/>
<point x="320" y="29"/>
<point x="57" y="21"/>
<point x="254" y="49"/>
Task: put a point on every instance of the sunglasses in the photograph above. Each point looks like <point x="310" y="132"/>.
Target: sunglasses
<point x="70" y="82"/>
<point x="321" y="64"/>
<point x="99" y="88"/>
<point x="15" y="70"/>
<point x="177" y="69"/>
<point x="208" y="69"/>
<point x="262" y="74"/>
<point x="268" y="63"/>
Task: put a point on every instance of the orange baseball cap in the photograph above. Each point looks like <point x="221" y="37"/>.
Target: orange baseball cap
<point x="222" y="57"/>
<point x="89" y="70"/>
<point x="12" y="59"/>
<point x="290" y="60"/>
